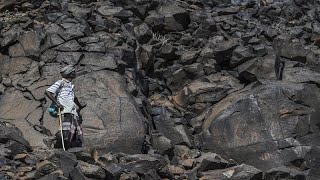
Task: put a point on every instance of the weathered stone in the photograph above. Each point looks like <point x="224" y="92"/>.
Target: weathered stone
<point x="113" y="171"/>
<point x="68" y="57"/>
<point x="284" y="172"/>
<point x="14" y="100"/>
<point x="2" y="89"/>
<point x="76" y="174"/>
<point x="228" y="10"/>
<point x="75" y="31"/>
<point x="143" y="33"/>
<point x="16" y="50"/>
<point x="10" y="132"/>
<point x="264" y="123"/>
<point x="87" y="40"/>
<point x="72" y="45"/>
<point x="95" y="47"/>
<point x="92" y="171"/>
<point x="31" y="76"/>
<point x="176" y="133"/>
<point x="52" y="176"/>
<point x="292" y="50"/>
<point x="65" y="161"/>
<point x="6" y="4"/>
<point x="150" y="175"/>
<point x="254" y="41"/>
<point x="125" y="53"/>
<point x="213" y="162"/>
<point x="45" y="167"/>
<point x="177" y="80"/>
<point x="146" y="57"/>
<point x="194" y="70"/>
<point x="10" y="35"/>
<point x="161" y="143"/>
<point x="27" y="6"/>
<point x="175" y="170"/>
<point x="189" y="57"/>
<point x="117" y="123"/>
<point x="222" y="49"/>
<point x="259" y="68"/>
<point x="30" y="42"/>
<point x="54" y="29"/>
<point x="218" y="87"/>
<point x="79" y="11"/>
<point x="109" y="11"/>
<point x="240" y="55"/>
<point x="129" y="175"/>
<point x="33" y="137"/>
<point x="260" y="50"/>
<point x="299" y="74"/>
<point x="242" y="171"/>
<point x="110" y="25"/>
<point x="51" y="41"/>
<point x="175" y="17"/>
<point x="38" y="88"/>
<point x="99" y="61"/>
<point x="142" y="163"/>
<point x="155" y="21"/>
<point x="187" y="163"/>
<point x="17" y="65"/>
<point x="48" y="56"/>
<point x="167" y="51"/>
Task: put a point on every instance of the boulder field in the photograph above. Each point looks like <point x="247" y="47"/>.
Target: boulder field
<point x="174" y="89"/>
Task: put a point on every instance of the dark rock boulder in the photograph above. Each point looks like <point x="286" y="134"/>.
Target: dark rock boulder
<point x="72" y="45"/>
<point x="212" y="161"/>
<point x="113" y="171"/>
<point x="274" y="112"/>
<point x="30" y="42"/>
<point x="301" y="74"/>
<point x="111" y="121"/>
<point x="9" y="132"/>
<point x="142" y="163"/>
<point x="259" y="68"/>
<point x="15" y="100"/>
<point x="285" y="172"/>
<point x="240" y="55"/>
<point x="10" y="35"/>
<point x="143" y="33"/>
<point x="177" y="133"/>
<point x="97" y="61"/>
<point x="175" y="17"/>
<point x="16" y="65"/>
<point x="64" y="161"/>
<point x="242" y="171"/>
<point x="222" y="49"/>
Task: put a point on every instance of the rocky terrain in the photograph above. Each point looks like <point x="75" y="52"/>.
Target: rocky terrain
<point x="175" y="89"/>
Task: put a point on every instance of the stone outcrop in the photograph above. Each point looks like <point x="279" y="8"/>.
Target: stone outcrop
<point x="176" y="89"/>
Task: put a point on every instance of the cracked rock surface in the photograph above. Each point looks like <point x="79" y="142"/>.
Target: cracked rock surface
<point x="175" y="89"/>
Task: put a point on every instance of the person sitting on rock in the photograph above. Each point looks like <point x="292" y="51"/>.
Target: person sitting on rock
<point x="62" y="93"/>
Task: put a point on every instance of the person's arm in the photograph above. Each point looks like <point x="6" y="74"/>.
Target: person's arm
<point x="52" y="98"/>
<point x="78" y="103"/>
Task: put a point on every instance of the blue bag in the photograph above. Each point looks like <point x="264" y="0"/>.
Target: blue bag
<point x="53" y="110"/>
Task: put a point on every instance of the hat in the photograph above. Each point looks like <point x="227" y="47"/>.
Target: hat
<point x="67" y="70"/>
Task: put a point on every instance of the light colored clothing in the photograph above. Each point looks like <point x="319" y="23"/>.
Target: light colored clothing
<point x="63" y="90"/>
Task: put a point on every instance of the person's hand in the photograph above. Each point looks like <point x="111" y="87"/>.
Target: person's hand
<point x="60" y="106"/>
<point x="82" y="104"/>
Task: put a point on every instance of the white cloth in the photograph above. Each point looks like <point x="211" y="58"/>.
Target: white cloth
<point x="63" y="90"/>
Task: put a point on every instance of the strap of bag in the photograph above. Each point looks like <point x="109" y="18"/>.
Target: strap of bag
<point x="60" y="87"/>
